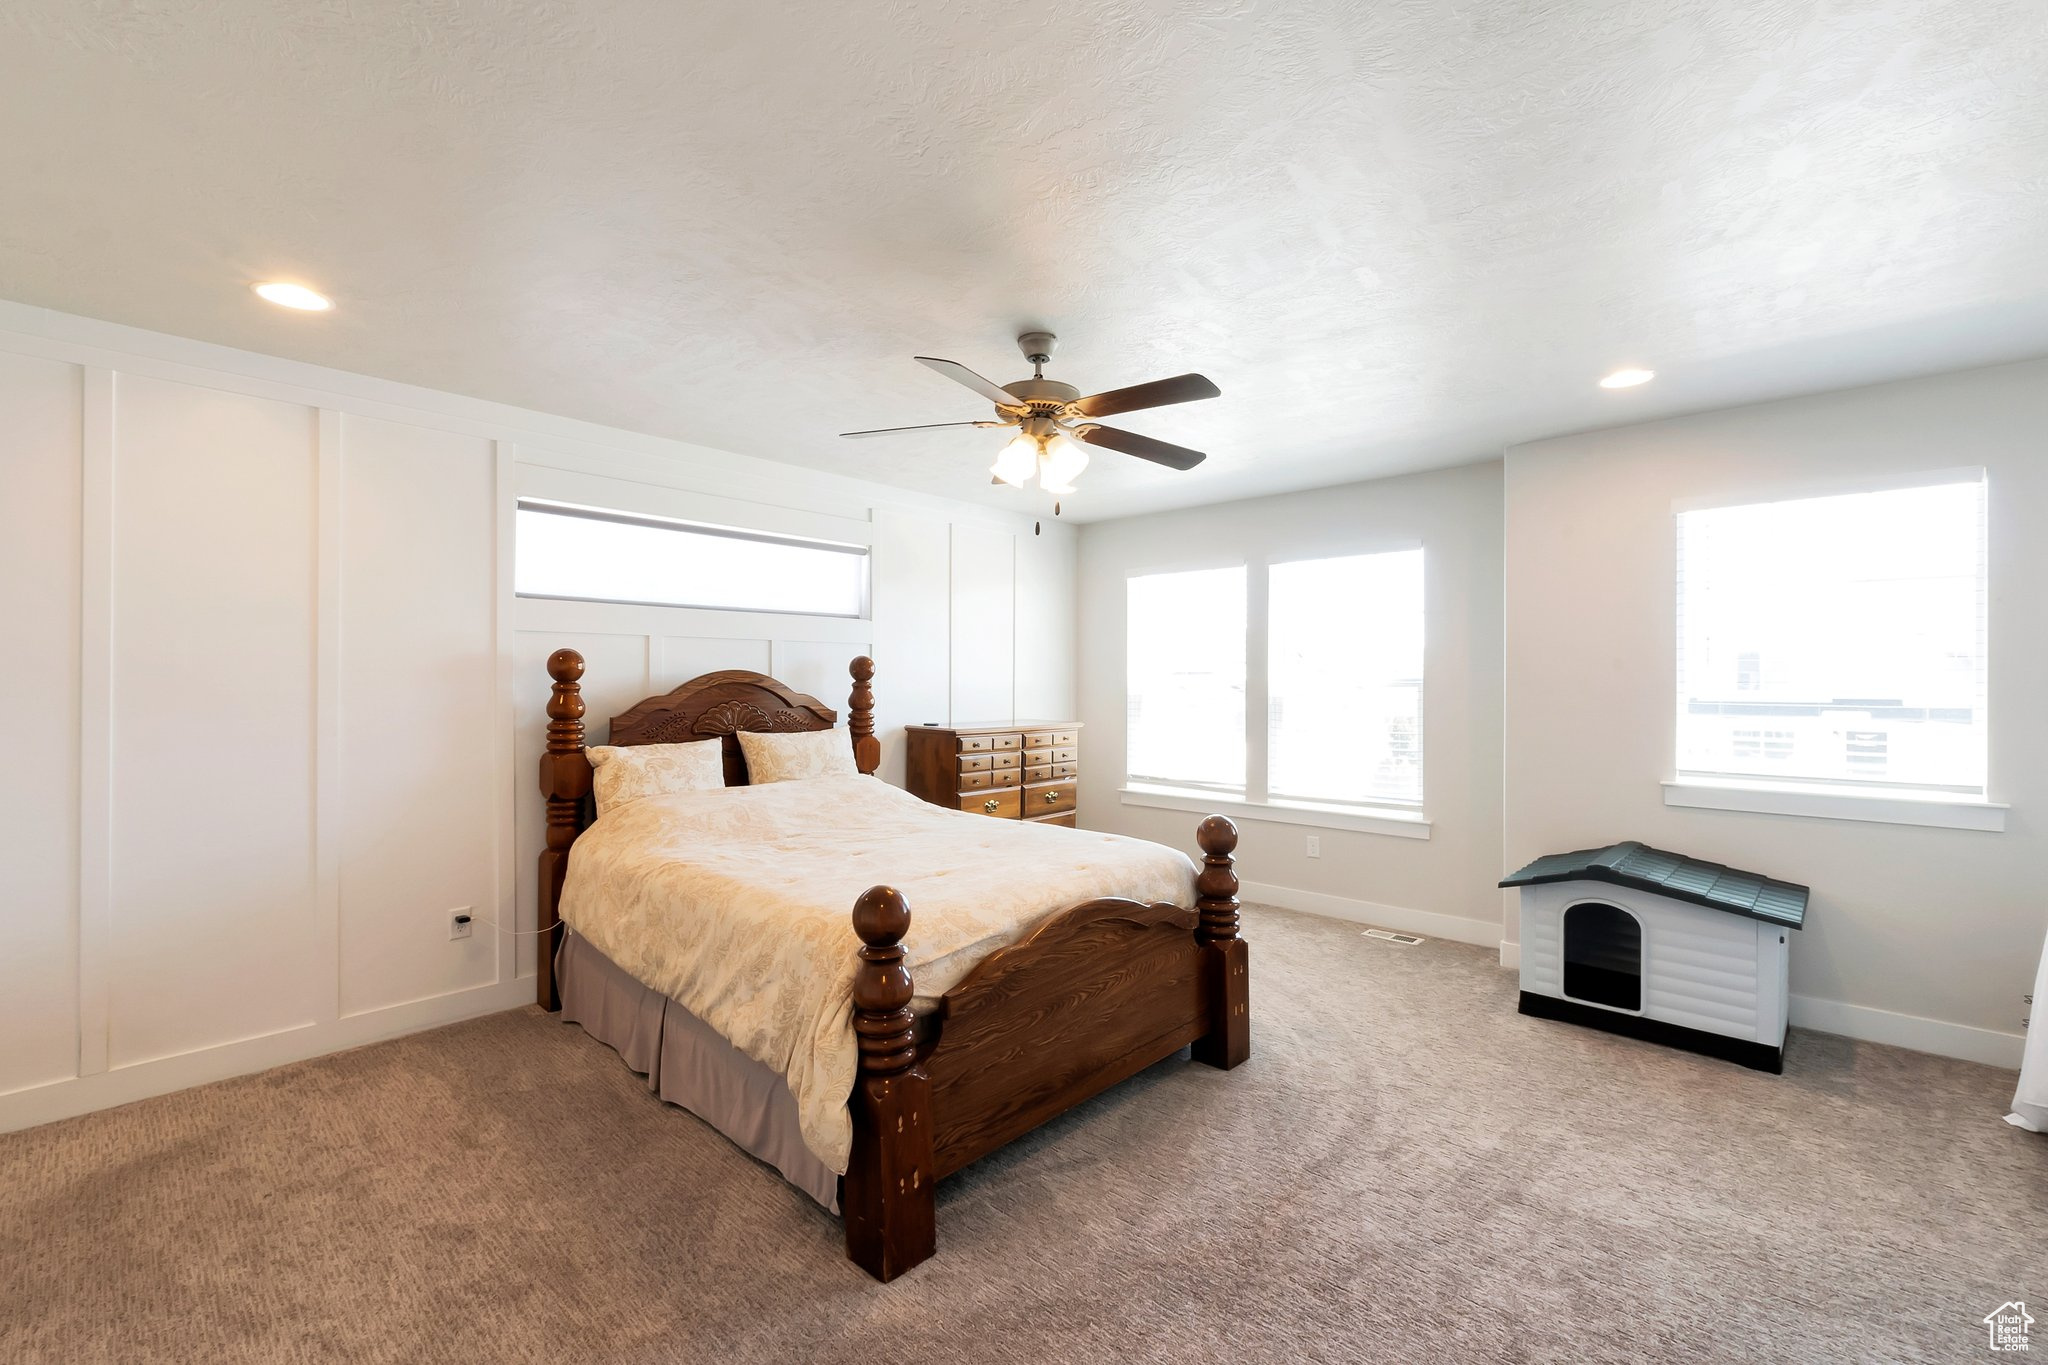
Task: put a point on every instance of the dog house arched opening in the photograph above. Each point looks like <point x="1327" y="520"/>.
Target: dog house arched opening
<point x="1603" y="955"/>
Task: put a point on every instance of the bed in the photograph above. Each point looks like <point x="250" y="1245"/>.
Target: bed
<point x="704" y="937"/>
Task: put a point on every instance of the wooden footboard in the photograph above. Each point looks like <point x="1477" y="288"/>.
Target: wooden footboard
<point x="1097" y="993"/>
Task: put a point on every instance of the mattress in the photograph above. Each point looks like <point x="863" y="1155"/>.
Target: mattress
<point x="736" y="903"/>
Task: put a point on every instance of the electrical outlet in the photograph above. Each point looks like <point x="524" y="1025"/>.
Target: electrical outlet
<point x="1315" y="845"/>
<point x="460" y="923"/>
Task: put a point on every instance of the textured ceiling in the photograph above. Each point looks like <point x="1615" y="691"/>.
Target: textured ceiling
<point x="1397" y="234"/>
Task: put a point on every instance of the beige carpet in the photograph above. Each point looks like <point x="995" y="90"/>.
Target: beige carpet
<point x="1405" y="1171"/>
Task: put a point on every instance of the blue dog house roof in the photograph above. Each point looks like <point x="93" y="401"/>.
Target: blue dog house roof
<point x="1676" y="876"/>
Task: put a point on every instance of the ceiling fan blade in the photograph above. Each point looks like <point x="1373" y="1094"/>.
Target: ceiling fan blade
<point x="1144" y="447"/>
<point x="960" y="374"/>
<point x="1159" y="393"/>
<point x="929" y="426"/>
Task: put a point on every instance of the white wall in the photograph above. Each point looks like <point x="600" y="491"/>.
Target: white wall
<point x="1925" y="937"/>
<point x="279" y="709"/>
<point x="1441" y="886"/>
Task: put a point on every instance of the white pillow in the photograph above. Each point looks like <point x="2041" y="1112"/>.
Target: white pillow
<point x="805" y="753"/>
<point x="622" y="773"/>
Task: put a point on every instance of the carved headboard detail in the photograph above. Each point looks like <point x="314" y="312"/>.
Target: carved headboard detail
<point x="722" y="705"/>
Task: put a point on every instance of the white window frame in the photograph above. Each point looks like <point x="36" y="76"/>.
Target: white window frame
<point x="1403" y="820"/>
<point x="1813" y="799"/>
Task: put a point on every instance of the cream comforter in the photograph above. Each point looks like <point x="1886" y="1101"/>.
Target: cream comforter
<point x="738" y="904"/>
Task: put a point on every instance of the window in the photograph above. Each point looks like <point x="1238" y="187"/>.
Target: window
<point x="1334" y="739"/>
<point x="1185" y="679"/>
<point x="1836" y="641"/>
<point x="1344" y="679"/>
<point x="583" y="552"/>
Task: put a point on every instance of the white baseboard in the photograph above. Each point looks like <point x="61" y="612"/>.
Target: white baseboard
<point x="82" y="1094"/>
<point x="1961" y="1041"/>
<point x="1865" y="1024"/>
<point x="1428" y="923"/>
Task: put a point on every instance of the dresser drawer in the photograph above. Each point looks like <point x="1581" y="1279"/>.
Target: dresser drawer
<point x="1046" y="798"/>
<point x="1060" y="770"/>
<point x="975" y="782"/>
<point x="1001" y="804"/>
<point x="987" y="763"/>
<point x="1038" y="772"/>
<point x="1050" y="739"/>
<point x="977" y="744"/>
<point x="1066" y="753"/>
<point x="1065" y="821"/>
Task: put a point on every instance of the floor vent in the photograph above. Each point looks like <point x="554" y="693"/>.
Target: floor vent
<point x="1390" y="936"/>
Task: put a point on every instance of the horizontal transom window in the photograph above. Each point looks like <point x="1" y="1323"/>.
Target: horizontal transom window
<point x="591" y="554"/>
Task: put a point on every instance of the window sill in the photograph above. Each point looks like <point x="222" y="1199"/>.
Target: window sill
<point x="1838" y="804"/>
<point x="1400" y="824"/>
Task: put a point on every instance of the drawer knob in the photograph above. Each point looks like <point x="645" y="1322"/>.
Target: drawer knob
<point x="991" y="805"/>
<point x="1051" y="798"/>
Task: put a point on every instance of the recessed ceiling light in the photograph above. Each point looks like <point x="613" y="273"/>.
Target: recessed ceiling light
<point x="294" y="296"/>
<point x="1627" y="378"/>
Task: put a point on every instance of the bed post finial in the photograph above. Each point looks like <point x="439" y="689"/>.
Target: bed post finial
<point x="564" y="781"/>
<point x="1229" y="1040"/>
<point x="1216" y="887"/>
<point x="867" y="750"/>
<point x="887" y="1197"/>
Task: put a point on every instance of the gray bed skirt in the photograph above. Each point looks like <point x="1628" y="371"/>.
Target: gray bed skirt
<point x="689" y="1063"/>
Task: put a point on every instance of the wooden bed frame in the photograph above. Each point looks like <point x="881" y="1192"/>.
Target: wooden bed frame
<point x="1096" y="993"/>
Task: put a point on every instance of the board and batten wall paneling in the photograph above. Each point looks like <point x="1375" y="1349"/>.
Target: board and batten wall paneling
<point x="288" y="710"/>
<point x="212" y="914"/>
<point x="818" y="667"/>
<point x="680" y="658"/>
<point x="1046" y="634"/>
<point x="911" y="577"/>
<point x="40" y="532"/>
<point x="418" y="667"/>
<point x="984" y="642"/>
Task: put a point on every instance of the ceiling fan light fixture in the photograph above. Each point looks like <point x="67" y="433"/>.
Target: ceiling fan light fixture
<point x="1627" y="377"/>
<point x="1048" y="416"/>
<point x="1061" y="463"/>
<point x="1017" y="461"/>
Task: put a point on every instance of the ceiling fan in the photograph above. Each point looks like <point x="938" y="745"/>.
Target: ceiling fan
<point x="1049" y="417"/>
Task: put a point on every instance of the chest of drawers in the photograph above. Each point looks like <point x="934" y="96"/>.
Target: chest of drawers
<point x="1025" y="771"/>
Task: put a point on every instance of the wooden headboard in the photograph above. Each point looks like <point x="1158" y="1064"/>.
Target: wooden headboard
<point x="720" y="705"/>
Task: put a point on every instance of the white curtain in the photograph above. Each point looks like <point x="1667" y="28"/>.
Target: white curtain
<point x="2030" y="1101"/>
